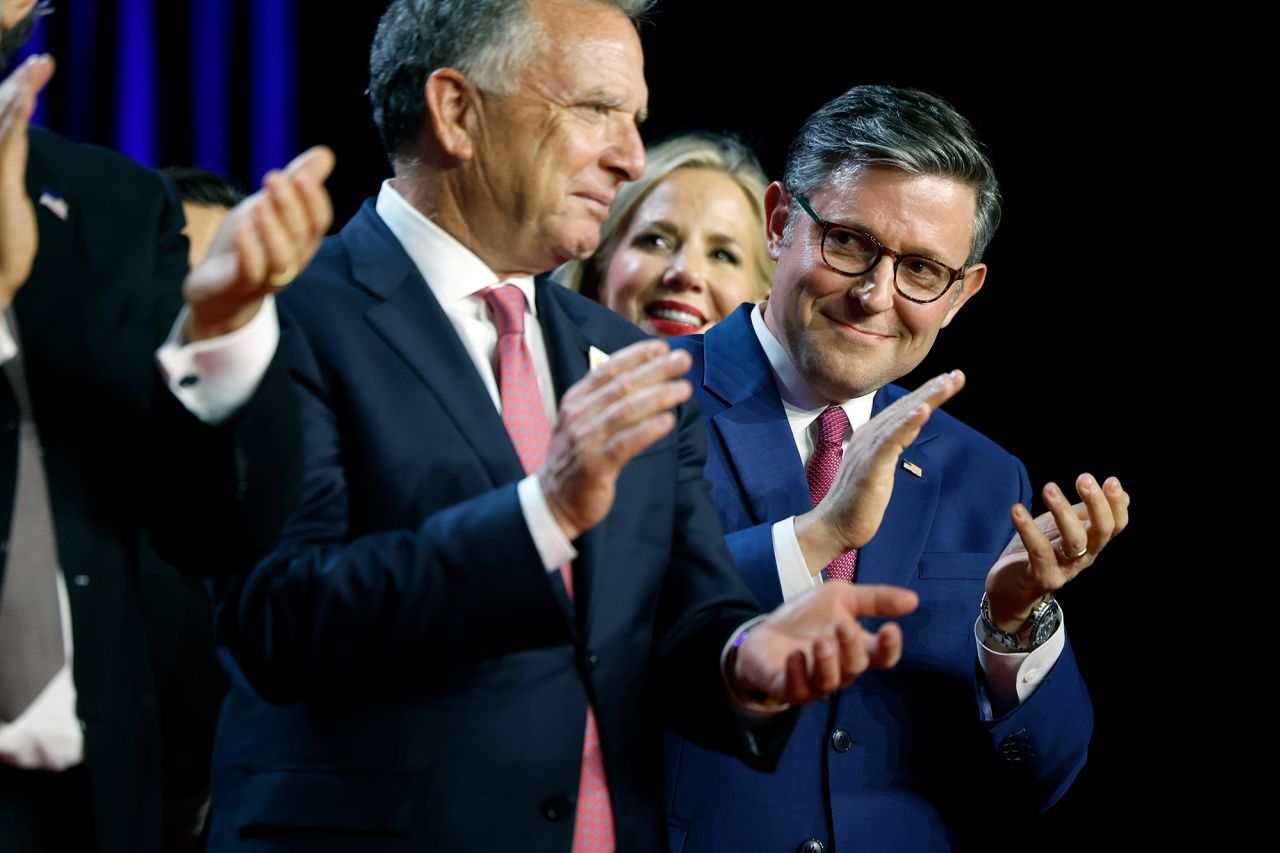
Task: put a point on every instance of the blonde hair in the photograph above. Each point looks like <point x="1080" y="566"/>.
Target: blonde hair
<point x="687" y="151"/>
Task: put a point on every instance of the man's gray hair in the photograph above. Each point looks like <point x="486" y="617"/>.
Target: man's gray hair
<point x="12" y="39"/>
<point x="491" y="41"/>
<point x="907" y="129"/>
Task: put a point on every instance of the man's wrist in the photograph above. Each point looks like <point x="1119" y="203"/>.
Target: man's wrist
<point x="1041" y="621"/>
<point x="198" y="328"/>
<point x="817" y="544"/>
<point x="748" y="700"/>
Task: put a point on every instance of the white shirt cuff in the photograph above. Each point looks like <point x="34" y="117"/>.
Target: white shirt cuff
<point x="1013" y="676"/>
<point x="554" y="548"/>
<point x="793" y="572"/>
<point x="215" y="377"/>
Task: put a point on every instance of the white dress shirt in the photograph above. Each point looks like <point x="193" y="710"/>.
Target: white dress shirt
<point x="1011" y="677"/>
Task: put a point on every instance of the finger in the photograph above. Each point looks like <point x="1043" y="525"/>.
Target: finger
<point x="935" y="392"/>
<point x="640" y="405"/>
<point x="1072" y="537"/>
<point x="884" y="648"/>
<point x="891" y="443"/>
<point x="18" y="95"/>
<point x="1039" y="549"/>
<point x="853" y="651"/>
<point x="1101" y="522"/>
<point x="627" y="385"/>
<point x="281" y="253"/>
<point x="625" y="445"/>
<point x="878" y="600"/>
<point x="1118" y="498"/>
<point x="283" y="196"/>
<point x="251" y="255"/>
<point x="826" y="675"/>
<point x="316" y="205"/>
<point x="620" y="362"/>
<point x="313" y="165"/>
<point x="941" y="388"/>
<point x="796" y="685"/>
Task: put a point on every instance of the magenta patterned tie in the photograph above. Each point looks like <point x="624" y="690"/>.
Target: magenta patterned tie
<point x="526" y="422"/>
<point x="833" y="424"/>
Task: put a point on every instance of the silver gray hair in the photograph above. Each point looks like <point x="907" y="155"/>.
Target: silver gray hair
<point x="491" y="41"/>
<point x="906" y="129"/>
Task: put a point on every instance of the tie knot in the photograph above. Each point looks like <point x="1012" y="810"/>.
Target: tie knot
<point x="507" y="303"/>
<point x="833" y="424"/>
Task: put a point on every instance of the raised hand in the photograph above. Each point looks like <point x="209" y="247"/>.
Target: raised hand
<point x="853" y="508"/>
<point x="606" y="419"/>
<point x="813" y="645"/>
<point x="262" y="245"/>
<point x="18" y="240"/>
<point x="1050" y="550"/>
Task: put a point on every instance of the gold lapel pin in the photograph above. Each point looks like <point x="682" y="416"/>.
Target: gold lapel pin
<point x="913" y="468"/>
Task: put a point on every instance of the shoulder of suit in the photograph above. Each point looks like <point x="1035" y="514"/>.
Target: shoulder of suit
<point x="956" y="431"/>
<point x="93" y="171"/>
<point x="597" y="321"/>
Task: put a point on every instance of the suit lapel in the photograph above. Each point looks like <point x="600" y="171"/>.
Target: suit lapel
<point x="753" y="426"/>
<point x="60" y="247"/>
<point x="893" y="553"/>
<point x="412" y="322"/>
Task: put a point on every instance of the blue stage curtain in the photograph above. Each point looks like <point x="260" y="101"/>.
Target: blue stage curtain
<point x="209" y="83"/>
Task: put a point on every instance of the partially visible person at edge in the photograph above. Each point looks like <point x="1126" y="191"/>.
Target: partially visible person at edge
<point x="96" y="450"/>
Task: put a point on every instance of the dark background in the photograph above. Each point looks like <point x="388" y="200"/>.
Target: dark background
<point x="1065" y="348"/>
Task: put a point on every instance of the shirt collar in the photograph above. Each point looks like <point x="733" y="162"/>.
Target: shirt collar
<point x="453" y="272"/>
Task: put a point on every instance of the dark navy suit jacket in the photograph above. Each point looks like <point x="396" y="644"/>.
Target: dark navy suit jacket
<point x="406" y="675"/>
<point x="903" y="759"/>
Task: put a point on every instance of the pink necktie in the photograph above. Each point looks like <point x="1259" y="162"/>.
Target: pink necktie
<point x="833" y="423"/>
<point x="526" y="422"/>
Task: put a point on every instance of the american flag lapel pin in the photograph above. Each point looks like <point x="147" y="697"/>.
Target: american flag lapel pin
<point x="913" y="468"/>
<point x="56" y="205"/>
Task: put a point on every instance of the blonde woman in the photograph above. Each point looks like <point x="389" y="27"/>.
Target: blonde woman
<point x="683" y="246"/>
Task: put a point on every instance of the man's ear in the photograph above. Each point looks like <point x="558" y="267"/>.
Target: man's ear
<point x="777" y="209"/>
<point x="451" y="112"/>
<point x="964" y="290"/>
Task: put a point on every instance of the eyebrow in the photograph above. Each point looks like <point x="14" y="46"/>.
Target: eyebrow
<point x="858" y="226"/>
<point x="613" y="101"/>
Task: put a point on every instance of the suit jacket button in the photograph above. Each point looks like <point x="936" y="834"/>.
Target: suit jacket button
<point x="813" y="845"/>
<point x="557" y="808"/>
<point x="840" y="741"/>
<point x="592" y="662"/>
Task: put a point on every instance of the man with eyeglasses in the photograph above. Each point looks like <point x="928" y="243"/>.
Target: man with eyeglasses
<point x="878" y="230"/>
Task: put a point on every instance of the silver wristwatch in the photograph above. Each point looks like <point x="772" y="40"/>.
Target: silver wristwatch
<point x="1045" y="618"/>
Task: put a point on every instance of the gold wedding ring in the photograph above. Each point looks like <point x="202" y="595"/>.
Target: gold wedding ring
<point x="281" y="279"/>
<point x="1084" y="549"/>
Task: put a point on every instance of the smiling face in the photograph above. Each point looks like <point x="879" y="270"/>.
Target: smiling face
<point x="687" y="259"/>
<point x="851" y="335"/>
<point x="551" y="155"/>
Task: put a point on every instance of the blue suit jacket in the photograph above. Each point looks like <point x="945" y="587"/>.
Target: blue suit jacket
<point x="406" y="675"/>
<point x="902" y="759"/>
